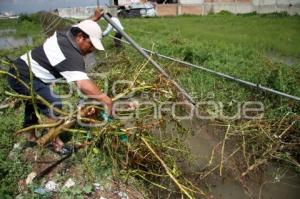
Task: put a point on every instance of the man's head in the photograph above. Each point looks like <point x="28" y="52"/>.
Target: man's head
<point x="87" y="36"/>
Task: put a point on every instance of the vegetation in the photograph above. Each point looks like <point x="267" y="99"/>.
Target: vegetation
<point x="147" y="150"/>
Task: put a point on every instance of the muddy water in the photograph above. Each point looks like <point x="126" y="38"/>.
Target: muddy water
<point x="274" y="183"/>
<point x="287" y="60"/>
<point x="10" y="42"/>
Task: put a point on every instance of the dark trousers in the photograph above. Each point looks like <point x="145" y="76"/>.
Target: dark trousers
<point x="118" y="37"/>
<point x="39" y="88"/>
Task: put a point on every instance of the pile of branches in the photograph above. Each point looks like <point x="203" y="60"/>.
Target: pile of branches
<point x="140" y="148"/>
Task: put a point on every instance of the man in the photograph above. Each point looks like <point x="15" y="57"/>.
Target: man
<point x="61" y="56"/>
<point x="118" y="36"/>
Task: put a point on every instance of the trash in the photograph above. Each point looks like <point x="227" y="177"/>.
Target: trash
<point x="17" y="146"/>
<point x="104" y="116"/>
<point x="123" y="137"/>
<point x="4" y="106"/>
<point x="123" y="195"/>
<point x="51" y="186"/>
<point x="12" y="154"/>
<point x="69" y="183"/>
<point x="98" y="187"/>
<point x="40" y="191"/>
<point x="102" y="197"/>
<point x="30" y="178"/>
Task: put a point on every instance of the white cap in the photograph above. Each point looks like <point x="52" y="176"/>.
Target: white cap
<point x="93" y="30"/>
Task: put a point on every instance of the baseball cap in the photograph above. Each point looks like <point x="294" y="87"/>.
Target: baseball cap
<point x="93" y="30"/>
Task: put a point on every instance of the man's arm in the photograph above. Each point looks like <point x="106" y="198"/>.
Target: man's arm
<point x="97" y="14"/>
<point x="107" y="30"/>
<point x="89" y="88"/>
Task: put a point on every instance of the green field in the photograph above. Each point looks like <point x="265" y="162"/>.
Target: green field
<point x="263" y="49"/>
<point x="261" y="33"/>
<point x="235" y="45"/>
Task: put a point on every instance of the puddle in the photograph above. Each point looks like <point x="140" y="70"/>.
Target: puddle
<point x="201" y="143"/>
<point x="10" y="42"/>
<point x="7" y="31"/>
<point x="288" y="60"/>
<point x="277" y="185"/>
<point x="273" y="184"/>
<point x="287" y="187"/>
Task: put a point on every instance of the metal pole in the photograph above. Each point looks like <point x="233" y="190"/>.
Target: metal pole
<point x="143" y="53"/>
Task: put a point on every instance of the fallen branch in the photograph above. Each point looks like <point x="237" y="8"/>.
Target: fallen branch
<point x="180" y="186"/>
<point x="38" y="126"/>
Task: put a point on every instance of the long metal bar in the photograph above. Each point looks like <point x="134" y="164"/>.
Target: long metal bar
<point x="244" y="82"/>
<point x="145" y="54"/>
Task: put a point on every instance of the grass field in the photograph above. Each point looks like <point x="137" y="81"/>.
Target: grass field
<point x="262" y="33"/>
<point x="235" y="45"/>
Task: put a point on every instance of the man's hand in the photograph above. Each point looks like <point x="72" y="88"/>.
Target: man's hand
<point x="97" y="14"/>
<point x="89" y="88"/>
<point x="88" y="112"/>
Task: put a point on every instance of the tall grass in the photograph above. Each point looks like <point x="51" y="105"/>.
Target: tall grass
<point x="234" y="45"/>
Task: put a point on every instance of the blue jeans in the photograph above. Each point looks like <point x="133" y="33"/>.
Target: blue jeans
<point x="40" y="88"/>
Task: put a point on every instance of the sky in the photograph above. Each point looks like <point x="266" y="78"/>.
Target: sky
<point x="31" y="6"/>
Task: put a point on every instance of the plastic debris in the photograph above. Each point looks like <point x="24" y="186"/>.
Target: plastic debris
<point x="12" y="154"/>
<point x="123" y="195"/>
<point x="102" y="197"/>
<point x="123" y="137"/>
<point x="69" y="183"/>
<point x="30" y="178"/>
<point x="51" y="186"/>
<point x="40" y="191"/>
<point x="17" y="146"/>
<point x="98" y="187"/>
<point x="105" y="117"/>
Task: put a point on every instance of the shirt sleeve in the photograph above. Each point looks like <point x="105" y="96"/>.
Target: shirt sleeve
<point x="107" y="30"/>
<point x="73" y="68"/>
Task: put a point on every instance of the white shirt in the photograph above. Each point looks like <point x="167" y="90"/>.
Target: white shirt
<point x="109" y="27"/>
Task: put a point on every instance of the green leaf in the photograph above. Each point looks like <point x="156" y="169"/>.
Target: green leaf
<point x="87" y="188"/>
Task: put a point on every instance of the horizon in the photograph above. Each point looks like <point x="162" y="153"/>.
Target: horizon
<point x="32" y="6"/>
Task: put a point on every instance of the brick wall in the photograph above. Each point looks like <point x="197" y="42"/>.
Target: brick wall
<point x="233" y="6"/>
<point x="191" y="9"/>
<point x="166" y="9"/>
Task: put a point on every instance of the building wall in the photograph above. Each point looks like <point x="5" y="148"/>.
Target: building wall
<point x="274" y="2"/>
<point x="203" y="7"/>
<point x="193" y="2"/>
<point x="126" y="2"/>
<point x="166" y="9"/>
<point x="190" y="9"/>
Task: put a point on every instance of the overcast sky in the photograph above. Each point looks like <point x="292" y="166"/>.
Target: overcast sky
<point x="30" y="6"/>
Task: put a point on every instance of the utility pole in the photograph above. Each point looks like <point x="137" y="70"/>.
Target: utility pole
<point x="178" y="12"/>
